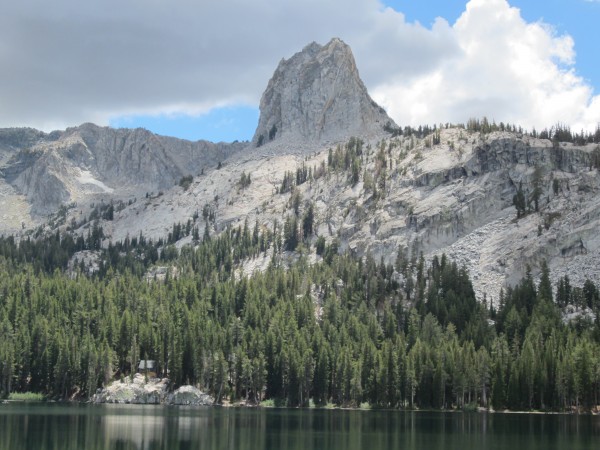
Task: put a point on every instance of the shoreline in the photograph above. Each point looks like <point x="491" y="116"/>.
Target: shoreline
<point x="310" y="408"/>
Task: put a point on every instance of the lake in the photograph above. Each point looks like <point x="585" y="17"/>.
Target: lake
<point x="58" y="426"/>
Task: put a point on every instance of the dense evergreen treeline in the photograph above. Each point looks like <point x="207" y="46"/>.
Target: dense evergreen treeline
<point x="557" y="133"/>
<point x="345" y="330"/>
<point x="52" y="252"/>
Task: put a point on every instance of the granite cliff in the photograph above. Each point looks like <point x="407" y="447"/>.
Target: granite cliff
<point x="317" y="96"/>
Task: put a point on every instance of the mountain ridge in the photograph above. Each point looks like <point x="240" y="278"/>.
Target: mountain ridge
<point x="133" y="160"/>
<point x="431" y="191"/>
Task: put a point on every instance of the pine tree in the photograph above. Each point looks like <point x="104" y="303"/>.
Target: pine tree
<point x="519" y="201"/>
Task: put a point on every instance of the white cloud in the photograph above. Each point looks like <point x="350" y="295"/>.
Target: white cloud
<point x="65" y="62"/>
<point x="508" y="70"/>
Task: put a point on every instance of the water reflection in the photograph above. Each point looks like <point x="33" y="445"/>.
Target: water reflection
<point x="136" y="427"/>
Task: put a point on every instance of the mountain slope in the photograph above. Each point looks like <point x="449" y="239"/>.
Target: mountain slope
<point x="455" y="197"/>
<point x="69" y="166"/>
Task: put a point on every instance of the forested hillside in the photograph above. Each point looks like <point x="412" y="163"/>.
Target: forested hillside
<point x="344" y="331"/>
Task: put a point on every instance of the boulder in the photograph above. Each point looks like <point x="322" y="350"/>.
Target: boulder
<point x="189" y="395"/>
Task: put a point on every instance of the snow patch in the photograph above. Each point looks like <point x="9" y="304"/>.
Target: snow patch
<point x="86" y="177"/>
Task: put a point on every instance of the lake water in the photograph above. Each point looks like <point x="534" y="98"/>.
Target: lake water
<point x="125" y="427"/>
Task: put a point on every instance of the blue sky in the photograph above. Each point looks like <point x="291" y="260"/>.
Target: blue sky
<point x="196" y="70"/>
<point x="578" y="18"/>
<point x="225" y="124"/>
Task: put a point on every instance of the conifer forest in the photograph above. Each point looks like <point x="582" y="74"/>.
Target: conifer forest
<point x="345" y="331"/>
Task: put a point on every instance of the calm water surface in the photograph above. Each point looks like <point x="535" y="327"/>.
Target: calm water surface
<point x="125" y="427"/>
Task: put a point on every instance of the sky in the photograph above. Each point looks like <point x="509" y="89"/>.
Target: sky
<point x="196" y="69"/>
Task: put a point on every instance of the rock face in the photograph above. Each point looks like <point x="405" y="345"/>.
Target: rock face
<point x="60" y="167"/>
<point x="136" y="391"/>
<point x="317" y="95"/>
<point x="151" y="392"/>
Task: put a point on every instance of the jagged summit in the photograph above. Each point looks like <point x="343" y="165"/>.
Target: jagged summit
<point x="317" y="96"/>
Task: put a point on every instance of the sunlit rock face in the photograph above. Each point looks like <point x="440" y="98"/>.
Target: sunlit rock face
<point x="62" y="167"/>
<point x="317" y="96"/>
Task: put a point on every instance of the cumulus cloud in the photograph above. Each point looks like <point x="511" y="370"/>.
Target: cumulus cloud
<point x="65" y="62"/>
<point x="507" y="69"/>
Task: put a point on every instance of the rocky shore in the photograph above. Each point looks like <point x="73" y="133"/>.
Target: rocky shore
<point x="153" y="391"/>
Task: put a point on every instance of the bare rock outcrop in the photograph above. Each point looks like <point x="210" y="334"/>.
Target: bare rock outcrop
<point x="317" y="96"/>
<point x="154" y="391"/>
<point x="53" y="169"/>
<point x="136" y="391"/>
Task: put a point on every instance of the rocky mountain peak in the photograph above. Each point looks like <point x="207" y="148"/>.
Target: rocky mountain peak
<point x="317" y="96"/>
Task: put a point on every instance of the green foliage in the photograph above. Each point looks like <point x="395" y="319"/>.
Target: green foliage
<point x="244" y="181"/>
<point x="557" y="133"/>
<point x="347" y="158"/>
<point x="287" y="184"/>
<point x="380" y="176"/>
<point x="595" y="156"/>
<point x="208" y="213"/>
<point x="537" y="191"/>
<point x="320" y="246"/>
<point x="26" y="396"/>
<point x="394" y="131"/>
<point x="485" y="127"/>
<point x="52" y="251"/>
<point x="347" y="331"/>
<point x="308" y="220"/>
<point x="186" y="181"/>
<point x="296" y="201"/>
<point x="549" y="218"/>
<point x="555" y="186"/>
<point x="302" y="175"/>
<point x="291" y="235"/>
<point x="520" y="201"/>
